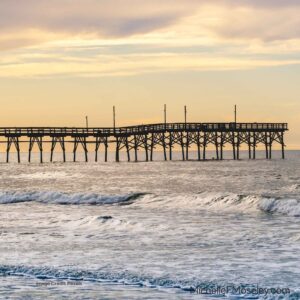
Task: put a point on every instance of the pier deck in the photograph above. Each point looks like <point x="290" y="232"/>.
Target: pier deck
<point x="149" y="137"/>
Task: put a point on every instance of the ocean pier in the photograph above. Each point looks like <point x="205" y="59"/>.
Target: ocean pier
<point x="147" y="138"/>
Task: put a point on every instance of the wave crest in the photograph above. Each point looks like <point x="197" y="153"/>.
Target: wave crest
<point x="67" y="198"/>
<point x="128" y="278"/>
<point x="209" y="201"/>
<point x="289" y="207"/>
<point x="226" y="202"/>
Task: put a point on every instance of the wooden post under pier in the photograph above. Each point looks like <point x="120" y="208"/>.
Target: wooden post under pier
<point x="282" y="145"/>
<point x="39" y="141"/>
<point x="249" y="145"/>
<point x="267" y="145"/>
<point x="233" y="145"/>
<point x="182" y="145"/>
<point x="198" y="146"/>
<point x="61" y="141"/>
<point x="170" y="145"/>
<point x="149" y="137"/>
<point x="80" y="140"/>
<point x="13" y="140"/>
<point x="164" y="145"/>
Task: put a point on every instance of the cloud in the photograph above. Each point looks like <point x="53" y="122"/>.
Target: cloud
<point x="265" y="3"/>
<point x="129" y="37"/>
<point x="105" y="17"/>
<point x="71" y="64"/>
<point x="264" y="24"/>
<point x="36" y="21"/>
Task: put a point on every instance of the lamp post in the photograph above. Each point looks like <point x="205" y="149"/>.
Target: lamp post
<point x="165" y="115"/>
<point x="114" y="117"/>
<point x="235" y="112"/>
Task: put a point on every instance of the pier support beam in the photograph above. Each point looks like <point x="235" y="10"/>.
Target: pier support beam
<point x="282" y="145"/>
<point x="217" y="145"/>
<point x="267" y="145"/>
<point x="272" y="137"/>
<point x="152" y="147"/>
<point x="148" y="137"/>
<point x="198" y="146"/>
<point x="238" y="147"/>
<point x="146" y="146"/>
<point x="101" y="140"/>
<point x="249" y="145"/>
<point x="13" y="141"/>
<point x="164" y="146"/>
<point x="170" y="145"/>
<point x="127" y="149"/>
<point x="61" y="141"/>
<point x="98" y="143"/>
<point x="233" y="146"/>
<point x="187" y="144"/>
<point x="106" y="149"/>
<point x="222" y="145"/>
<point x="117" y="150"/>
<point x="182" y="145"/>
<point x="136" y="147"/>
<point x="254" y="145"/>
<point x="80" y="140"/>
<point x="39" y="141"/>
<point x="204" y="146"/>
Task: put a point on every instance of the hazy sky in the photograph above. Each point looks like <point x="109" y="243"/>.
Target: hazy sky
<point x="63" y="59"/>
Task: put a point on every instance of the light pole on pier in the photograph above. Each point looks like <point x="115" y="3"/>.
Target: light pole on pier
<point x="185" y="115"/>
<point x="235" y="112"/>
<point x="114" y="117"/>
<point x="165" y="115"/>
<point x="87" y="121"/>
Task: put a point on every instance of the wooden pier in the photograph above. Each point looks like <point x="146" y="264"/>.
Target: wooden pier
<point x="147" y="138"/>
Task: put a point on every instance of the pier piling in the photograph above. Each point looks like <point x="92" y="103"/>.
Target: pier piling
<point x="166" y="136"/>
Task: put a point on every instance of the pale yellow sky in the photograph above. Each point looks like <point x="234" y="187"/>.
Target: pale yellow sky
<point x="62" y="60"/>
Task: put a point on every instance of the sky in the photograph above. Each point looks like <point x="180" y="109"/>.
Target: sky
<point x="61" y="60"/>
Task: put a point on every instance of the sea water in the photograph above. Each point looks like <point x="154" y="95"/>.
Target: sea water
<point x="150" y="230"/>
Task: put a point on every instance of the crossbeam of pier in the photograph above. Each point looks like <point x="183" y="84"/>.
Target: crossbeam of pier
<point x="149" y="137"/>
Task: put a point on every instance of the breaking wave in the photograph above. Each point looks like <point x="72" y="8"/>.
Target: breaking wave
<point x="67" y="198"/>
<point x="227" y="202"/>
<point x="132" y="279"/>
<point x="289" y="207"/>
<point x="208" y="201"/>
<point x="247" y="203"/>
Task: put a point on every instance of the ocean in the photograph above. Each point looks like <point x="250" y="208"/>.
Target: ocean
<point x="151" y="230"/>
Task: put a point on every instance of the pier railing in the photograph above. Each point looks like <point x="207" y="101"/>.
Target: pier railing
<point x="149" y="128"/>
<point x="149" y="137"/>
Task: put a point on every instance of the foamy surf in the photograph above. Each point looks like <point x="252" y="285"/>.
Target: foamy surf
<point x="52" y="197"/>
<point x="140" y="280"/>
<point x="208" y="201"/>
<point x="226" y="202"/>
<point x="104" y="223"/>
<point x="188" y="223"/>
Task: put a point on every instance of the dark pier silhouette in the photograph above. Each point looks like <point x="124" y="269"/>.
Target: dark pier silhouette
<point x="149" y="137"/>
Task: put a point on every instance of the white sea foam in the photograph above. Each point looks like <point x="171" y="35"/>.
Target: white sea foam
<point x="247" y="203"/>
<point x="140" y="280"/>
<point x="53" y="197"/>
<point x="43" y="175"/>
<point x="226" y="202"/>
<point x="289" y="207"/>
<point x="104" y="223"/>
<point x="210" y="201"/>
